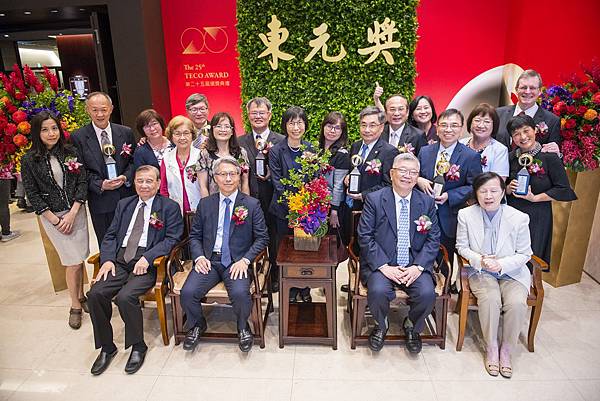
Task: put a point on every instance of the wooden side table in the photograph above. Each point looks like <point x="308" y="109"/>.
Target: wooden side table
<point x="315" y="322"/>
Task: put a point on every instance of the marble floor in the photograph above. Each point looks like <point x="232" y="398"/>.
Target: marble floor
<point x="41" y="358"/>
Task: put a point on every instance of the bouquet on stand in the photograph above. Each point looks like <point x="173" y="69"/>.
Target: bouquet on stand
<point x="308" y="199"/>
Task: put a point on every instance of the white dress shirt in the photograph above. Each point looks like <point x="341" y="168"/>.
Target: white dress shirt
<point x="394" y="137"/>
<point x="98" y="132"/>
<point x="530" y="111"/>
<point x="369" y="148"/>
<point x="147" y="212"/>
<point x="219" y="238"/>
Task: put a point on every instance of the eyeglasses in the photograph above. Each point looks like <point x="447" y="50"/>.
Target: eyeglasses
<point x="295" y="123"/>
<point x="404" y="172"/>
<point x="151" y="124"/>
<point x="453" y="127"/>
<point x="178" y="134"/>
<point x="371" y="127"/>
<point x="259" y="113"/>
<point x="228" y="174"/>
<point x="531" y="88"/>
<point x="224" y="127"/>
<point x="396" y="109"/>
<point x="195" y="110"/>
<point x="484" y="121"/>
<point x="335" y="128"/>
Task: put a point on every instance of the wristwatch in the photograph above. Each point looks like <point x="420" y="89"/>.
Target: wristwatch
<point x="420" y="268"/>
<point x="246" y="261"/>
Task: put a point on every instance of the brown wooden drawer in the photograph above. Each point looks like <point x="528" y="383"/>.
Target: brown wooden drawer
<point x="306" y="272"/>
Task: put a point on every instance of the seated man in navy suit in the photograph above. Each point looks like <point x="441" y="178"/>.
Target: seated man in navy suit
<point x="459" y="166"/>
<point x="399" y="240"/>
<point x="146" y="226"/>
<point x="228" y="232"/>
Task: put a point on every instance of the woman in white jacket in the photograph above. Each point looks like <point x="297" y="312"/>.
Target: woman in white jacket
<point x="494" y="238"/>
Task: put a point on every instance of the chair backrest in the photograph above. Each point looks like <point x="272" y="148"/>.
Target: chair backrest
<point x="188" y="219"/>
<point x="353" y="247"/>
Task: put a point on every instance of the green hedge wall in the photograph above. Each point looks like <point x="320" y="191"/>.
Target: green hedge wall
<point x="319" y="86"/>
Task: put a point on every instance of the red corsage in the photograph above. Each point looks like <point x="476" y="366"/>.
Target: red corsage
<point x="72" y="164"/>
<point x="541" y="129"/>
<point x="266" y="146"/>
<point x="156" y="222"/>
<point x="126" y="150"/>
<point x="484" y="160"/>
<point x="535" y="168"/>
<point x="453" y="173"/>
<point x="423" y="224"/>
<point x="327" y="168"/>
<point x="191" y="173"/>
<point x="239" y="215"/>
<point x="244" y="168"/>
<point x="373" y="167"/>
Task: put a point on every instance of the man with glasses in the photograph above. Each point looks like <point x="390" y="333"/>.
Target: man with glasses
<point x="529" y="89"/>
<point x="458" y="165"/>
<point x="397" y="253"/>
<point x="396" y="131"/>
<point x="261" y="188"/>
<point x="228" y="232"/>
<point x="96" y="142"/>
<point x="376" y="156"/>
<point x="196" y="106"/>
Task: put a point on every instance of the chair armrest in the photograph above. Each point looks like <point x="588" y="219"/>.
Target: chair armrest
<point x="95" y="261"/>
<point x="160" y="264"/>
<point x="445" y="261"/>
<point x="536" y="283"/>
<point x="175" y="260"/>
<point x="354" y="267"/>
<point x="260" y="264"/>
<point x="464" y="275"/>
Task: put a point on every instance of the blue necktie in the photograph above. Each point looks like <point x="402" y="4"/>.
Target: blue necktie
<point x="403" y="234"/>
<point x="225" y="254"/>
<point x="363" y="151"/>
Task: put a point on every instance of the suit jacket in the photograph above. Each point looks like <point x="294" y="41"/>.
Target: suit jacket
<point x="372" y="182"/>
<point x="378" y="235"/>
<point x="159" y="242"/>
<point x="86" y="141"/>
<point x="459" y="191"/>
<point x="280" y="163"/>
<point x="246" y="240"/>
<point x="259" y="189"/>
<point x="513" y="248"/>
<point x="505" y="113"/>
<point x="144" y="155"/>
<point x="410" y="134"/>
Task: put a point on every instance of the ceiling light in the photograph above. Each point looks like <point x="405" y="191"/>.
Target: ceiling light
<point x="2" y="15"/>
<point x="27" y="12"/>
<point x="54" y="11"/>
<point x="6" y="35"/>
<point x="82" y="9"/>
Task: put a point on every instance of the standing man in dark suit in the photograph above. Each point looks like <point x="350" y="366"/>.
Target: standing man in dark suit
<point x="396" y="131"/>
<point x="459" y="165"/>
<point x="228" y="232"/>
<point x="104" y="193"/>
<point x="529" y="89"/>
<point x="396" y="252"/>
<point x="261" y="188"/>
<point x="377" y="155"/>
<point x="145" y="227"/>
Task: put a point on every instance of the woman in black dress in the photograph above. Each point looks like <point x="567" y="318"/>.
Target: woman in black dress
<point x="334" y="137"/>
<point x="548" y="182"/>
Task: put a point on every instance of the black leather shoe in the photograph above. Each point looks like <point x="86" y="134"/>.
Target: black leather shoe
<point x="135" y="361"/>
<point x="344" y="288"/>
<point x="413" y="339"/>
<point x="246" y="339"/>
<point x="305" y="295"/>
<point x="193" y="337"/>
<point x="376" y="338"/>
<point x="102" y="362"/>
<point x="275" y="286"/>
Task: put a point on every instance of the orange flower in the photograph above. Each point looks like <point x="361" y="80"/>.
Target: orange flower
<point x="562" y="123"/>
<point x="590" y="114"/>
<point x="24" y="127"/>
<point x="20" y="140"/>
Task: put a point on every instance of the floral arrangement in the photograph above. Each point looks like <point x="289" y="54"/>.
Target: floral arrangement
<point x="155" y="221"/>
<point x="373" y="167"/>
<point x="453" y="173"/>
<point x="423" y="224"/>
<point x="23" y="95"/>
<point x="239" y="216"/>
<point x="72" y="164"/>
<point x="535" y="168"/>
<point x="126" y="150"/>
<point x="307" y="196"/>
<point x="577" y="102"/>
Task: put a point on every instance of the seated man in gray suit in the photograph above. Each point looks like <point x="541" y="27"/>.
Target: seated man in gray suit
<point x="399" y="239"/>
<point x="228" y="232"/>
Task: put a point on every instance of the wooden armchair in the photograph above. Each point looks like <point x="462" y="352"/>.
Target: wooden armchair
<point x="156" y="293"/>
<point x="467" y="300"/>
<point x="357" y="299"/>
<point x="178" y="269"/>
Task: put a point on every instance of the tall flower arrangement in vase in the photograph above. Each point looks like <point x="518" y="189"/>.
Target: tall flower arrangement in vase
<point x="308" y="197"/>
<point x="577" y="103"/>
<point x="23" y="95"/>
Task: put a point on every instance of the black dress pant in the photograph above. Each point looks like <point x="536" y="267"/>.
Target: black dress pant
<point x="126" y="288"/>
<point x="101" y="222"/>
<point x="197" y="285"/>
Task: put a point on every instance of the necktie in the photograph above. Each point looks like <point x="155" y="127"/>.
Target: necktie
<point x="443" y="160"/>
<point x="136" y="234"/>
<point x="394" y="141"/>
<point x="257" y="138"/>
<point x="225" y="254"/>
<point x="363" y="151"/>
<point x="403" y="234"/>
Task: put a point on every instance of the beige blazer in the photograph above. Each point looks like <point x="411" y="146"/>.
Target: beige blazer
<point x="513" y="249"/>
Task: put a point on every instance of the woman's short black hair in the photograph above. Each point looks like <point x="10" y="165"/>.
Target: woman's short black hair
<point x="519" y="121"/>
<point x="484" y="178"/>
<point x="413" y="106"/>
<point x="332" y="118"/>
<point x="290" y="114"/>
